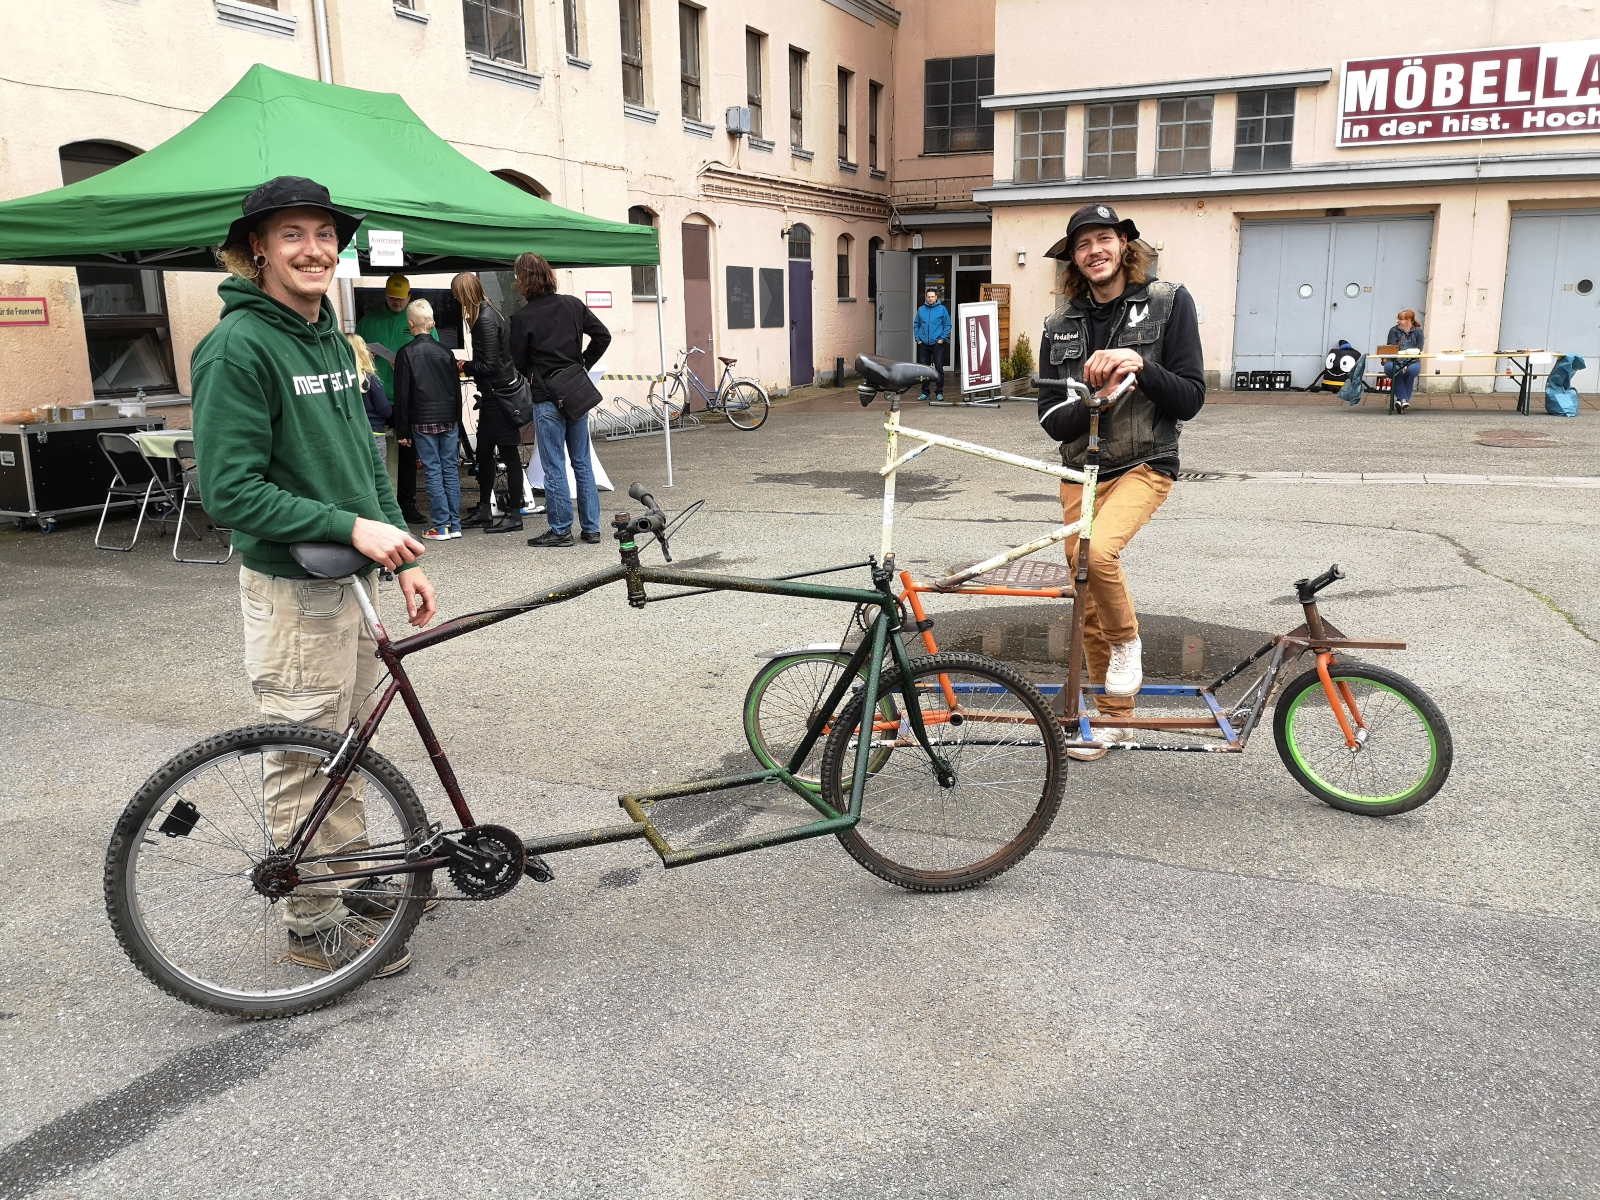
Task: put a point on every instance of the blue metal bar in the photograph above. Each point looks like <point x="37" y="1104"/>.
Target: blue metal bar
<point x="1222" y="721"/>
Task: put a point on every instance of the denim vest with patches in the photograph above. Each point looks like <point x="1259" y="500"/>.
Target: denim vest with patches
<point x="1134" y="431"/>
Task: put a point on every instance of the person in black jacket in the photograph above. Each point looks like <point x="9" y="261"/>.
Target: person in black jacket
<point x="546" y="335"/>
<point x="427" y="413"/>
<point x="1118" y="321"/>
<point x="491" y="368"/>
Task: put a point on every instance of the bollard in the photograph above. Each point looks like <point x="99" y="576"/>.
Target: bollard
<point x="838" y="372"/>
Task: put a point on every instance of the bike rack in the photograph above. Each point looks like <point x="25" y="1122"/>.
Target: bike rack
<point x="630" y="420"/>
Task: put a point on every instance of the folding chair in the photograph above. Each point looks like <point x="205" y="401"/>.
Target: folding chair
<point x="183" y="449"/>
<point x="134" y="477"/>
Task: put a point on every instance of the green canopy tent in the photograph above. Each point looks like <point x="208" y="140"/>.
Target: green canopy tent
<point x="171" y="206"/>
<point x="168" y="207"/>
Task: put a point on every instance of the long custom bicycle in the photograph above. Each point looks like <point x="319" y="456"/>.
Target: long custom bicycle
<point x="269" y="870"/>
<point x="1359" y="737"/>
<point x="743" y="401"/>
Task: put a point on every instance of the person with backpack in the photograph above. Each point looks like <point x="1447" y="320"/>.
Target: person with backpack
<point x="491" y="368"/>
<point x="1119" y="320"/>
<point x="931" y="329"/>
<point x="547" y="336"/>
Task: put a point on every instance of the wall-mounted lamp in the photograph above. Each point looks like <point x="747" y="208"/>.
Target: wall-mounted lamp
<point x="916" y="241"/>
<point x="1022" y="256"/>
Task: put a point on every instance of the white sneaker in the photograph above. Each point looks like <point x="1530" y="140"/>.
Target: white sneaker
<point x="455" y="531"/>
<point x="1125" y="675"/>
<point x="1089" y="751"/>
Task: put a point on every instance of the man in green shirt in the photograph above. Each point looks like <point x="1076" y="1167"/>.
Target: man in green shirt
<point x="386" y="330"/>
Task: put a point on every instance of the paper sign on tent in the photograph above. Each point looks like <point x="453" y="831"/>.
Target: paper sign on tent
<point x="349" y="265"/>
<point x="386" y="247"/>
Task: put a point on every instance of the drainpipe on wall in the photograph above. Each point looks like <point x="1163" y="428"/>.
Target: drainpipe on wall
<point x="319" y="10"/>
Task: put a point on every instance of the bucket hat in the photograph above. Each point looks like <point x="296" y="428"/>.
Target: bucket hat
<point x="290" y="191"/>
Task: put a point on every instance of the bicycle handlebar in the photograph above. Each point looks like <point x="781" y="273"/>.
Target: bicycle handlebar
<point x="1306" y="589"/>
<point x="1083" y="391"/>
<point x="654" y="520"/>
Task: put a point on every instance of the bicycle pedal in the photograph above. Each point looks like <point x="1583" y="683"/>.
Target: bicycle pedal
<point x="538" y="870"/>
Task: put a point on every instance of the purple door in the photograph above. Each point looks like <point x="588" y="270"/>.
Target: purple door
<point x="802" y="371"/>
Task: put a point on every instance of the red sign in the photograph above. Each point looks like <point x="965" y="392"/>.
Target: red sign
<point x="24" y="310"/>
<point x="1512" y="91"/>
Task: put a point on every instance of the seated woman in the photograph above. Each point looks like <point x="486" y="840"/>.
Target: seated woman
<point x="1403" y="372"/>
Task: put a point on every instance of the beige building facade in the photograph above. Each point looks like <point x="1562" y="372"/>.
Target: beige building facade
<point x="1305" y="181"/>
<point x="1308" y="172"/>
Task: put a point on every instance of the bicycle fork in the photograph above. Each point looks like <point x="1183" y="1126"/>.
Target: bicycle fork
<point x="1340" y="697"/>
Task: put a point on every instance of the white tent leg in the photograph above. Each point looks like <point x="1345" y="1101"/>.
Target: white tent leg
<point x="661" y="343"/>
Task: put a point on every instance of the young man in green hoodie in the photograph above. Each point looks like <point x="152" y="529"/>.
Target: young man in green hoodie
<point x="284" y="453"/>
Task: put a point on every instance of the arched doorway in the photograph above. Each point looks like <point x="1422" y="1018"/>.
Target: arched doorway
<point x="802" y="370"/>
<point x="124" y="311"/>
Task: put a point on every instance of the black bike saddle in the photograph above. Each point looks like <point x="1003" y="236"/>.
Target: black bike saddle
<point x="329" y="560"/>
<point x="889" y="376"/>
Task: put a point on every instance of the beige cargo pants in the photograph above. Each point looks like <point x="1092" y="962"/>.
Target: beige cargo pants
<point x="310" y="658"/>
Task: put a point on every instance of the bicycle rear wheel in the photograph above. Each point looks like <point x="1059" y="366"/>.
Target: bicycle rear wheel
<point x="668" y="404"/>
<point x="746" y="404"/>
<point x="190" y="852"/>
<point x="784" y="698"/>
<point x="1403" y="760"/>
<point x="1010" y="766"/>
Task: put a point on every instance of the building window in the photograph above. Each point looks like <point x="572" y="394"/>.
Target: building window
<point x="124" y="312"/>
<point x="846" y="78"/>
<point x="569" y="19"/>
<point x="1041" y="145"/>
<point x="1183" y="136"/>
<point x="953" y="122"/>
<point x="874" y="104"/>
<point x="632" y="52"/>
<point x="873" y="246"/>
<point x="644" y="278"/>
<point x="1264" y="135"/>
<point x="754" y="44"/>
<point x="494" y="29"/>
<point x="797" y="98"/>
<point x="800" y="242"/>
<point x="689" y="60"/>
<point x="844" y="266"/>
<point x="1110" y="140"/>
<point x="273" y="4"/>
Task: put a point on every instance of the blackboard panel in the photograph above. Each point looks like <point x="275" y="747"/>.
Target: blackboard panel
<point x="741" y="298"/>
<point x="772" y="297"/>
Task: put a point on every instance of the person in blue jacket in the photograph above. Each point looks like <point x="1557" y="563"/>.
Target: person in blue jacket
<point x="931" y="329"/>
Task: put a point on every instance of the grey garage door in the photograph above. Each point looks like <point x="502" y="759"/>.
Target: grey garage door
<point x="1553" y="289"/>
<point x="1303" y="285"/>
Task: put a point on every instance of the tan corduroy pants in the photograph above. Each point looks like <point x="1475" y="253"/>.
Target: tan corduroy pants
<point x="1123" y="506"/>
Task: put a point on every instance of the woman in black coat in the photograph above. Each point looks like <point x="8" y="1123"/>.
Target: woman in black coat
<point x="491" y="367"/>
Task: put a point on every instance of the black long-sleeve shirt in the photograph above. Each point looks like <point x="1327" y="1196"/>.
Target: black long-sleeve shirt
<point x="547" y="334"/>
<point x="1176" y="385"/>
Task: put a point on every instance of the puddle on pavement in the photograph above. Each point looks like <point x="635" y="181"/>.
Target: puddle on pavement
<point x="1035" y="637"/>
<point x="910" y="487"/>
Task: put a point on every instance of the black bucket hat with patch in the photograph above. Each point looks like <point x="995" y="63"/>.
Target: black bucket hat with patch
<point x="1091" y="214"/>
<point x="290" y="191"/>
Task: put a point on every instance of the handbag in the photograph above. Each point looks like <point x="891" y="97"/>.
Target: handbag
<point x="515" y="399"/>
<point x="572" y="391"/>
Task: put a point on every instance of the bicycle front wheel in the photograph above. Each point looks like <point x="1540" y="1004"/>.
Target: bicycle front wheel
<point x="668" y="403"/>
<point x="188" y="873"/>
<point x="1400" y="764"/>
<point x="746" y="404"/>
<point x="785" y="697"/>
<point x="995" y="731"/>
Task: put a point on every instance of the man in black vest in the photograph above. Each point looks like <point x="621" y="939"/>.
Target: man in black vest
<point x="1118" y="320"/>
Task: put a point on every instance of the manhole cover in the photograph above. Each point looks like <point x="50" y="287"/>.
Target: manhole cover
<point x="1024" y="573"/>
<point x="1516" y="439"/>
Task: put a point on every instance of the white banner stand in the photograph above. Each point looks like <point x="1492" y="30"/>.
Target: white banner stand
<point x="601" y="479"/>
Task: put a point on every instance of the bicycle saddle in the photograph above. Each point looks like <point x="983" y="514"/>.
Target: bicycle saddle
<point x="889" y="376"/>
<point x="329" y="560"/>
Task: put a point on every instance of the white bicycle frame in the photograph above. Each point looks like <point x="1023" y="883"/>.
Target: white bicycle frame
<point x="1088" y="477"/>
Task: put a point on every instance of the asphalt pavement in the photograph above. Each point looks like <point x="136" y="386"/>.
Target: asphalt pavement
<point x="1204" y="983"/>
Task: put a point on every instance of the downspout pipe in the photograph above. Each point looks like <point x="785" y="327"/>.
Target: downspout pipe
<point x="319" y="13"/>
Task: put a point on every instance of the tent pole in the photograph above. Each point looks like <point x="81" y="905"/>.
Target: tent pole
<point x="661" y="345"/>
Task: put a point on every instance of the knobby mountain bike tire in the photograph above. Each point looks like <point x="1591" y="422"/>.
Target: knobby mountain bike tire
<point x="786" y="695"/>
<point x="179" y="880"/>
<point x="1404" y="760"/>
<point x="745" y="404"/>
<point x="1010" y="765"/>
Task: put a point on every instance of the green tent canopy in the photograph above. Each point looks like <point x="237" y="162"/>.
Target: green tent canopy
<point x="167" y="208"/>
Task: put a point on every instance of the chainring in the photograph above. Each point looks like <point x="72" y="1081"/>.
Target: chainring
<point x="485" y="884"/>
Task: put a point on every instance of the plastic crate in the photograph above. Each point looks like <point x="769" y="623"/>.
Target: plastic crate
<point x="1241" y="381"/>
<point x="1282" y="381"/>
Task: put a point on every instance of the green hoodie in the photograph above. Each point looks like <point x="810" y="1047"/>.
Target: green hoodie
<point x="280" y="433"/>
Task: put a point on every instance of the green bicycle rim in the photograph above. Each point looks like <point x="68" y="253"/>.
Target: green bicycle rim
<point x="1355" y="797"/>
